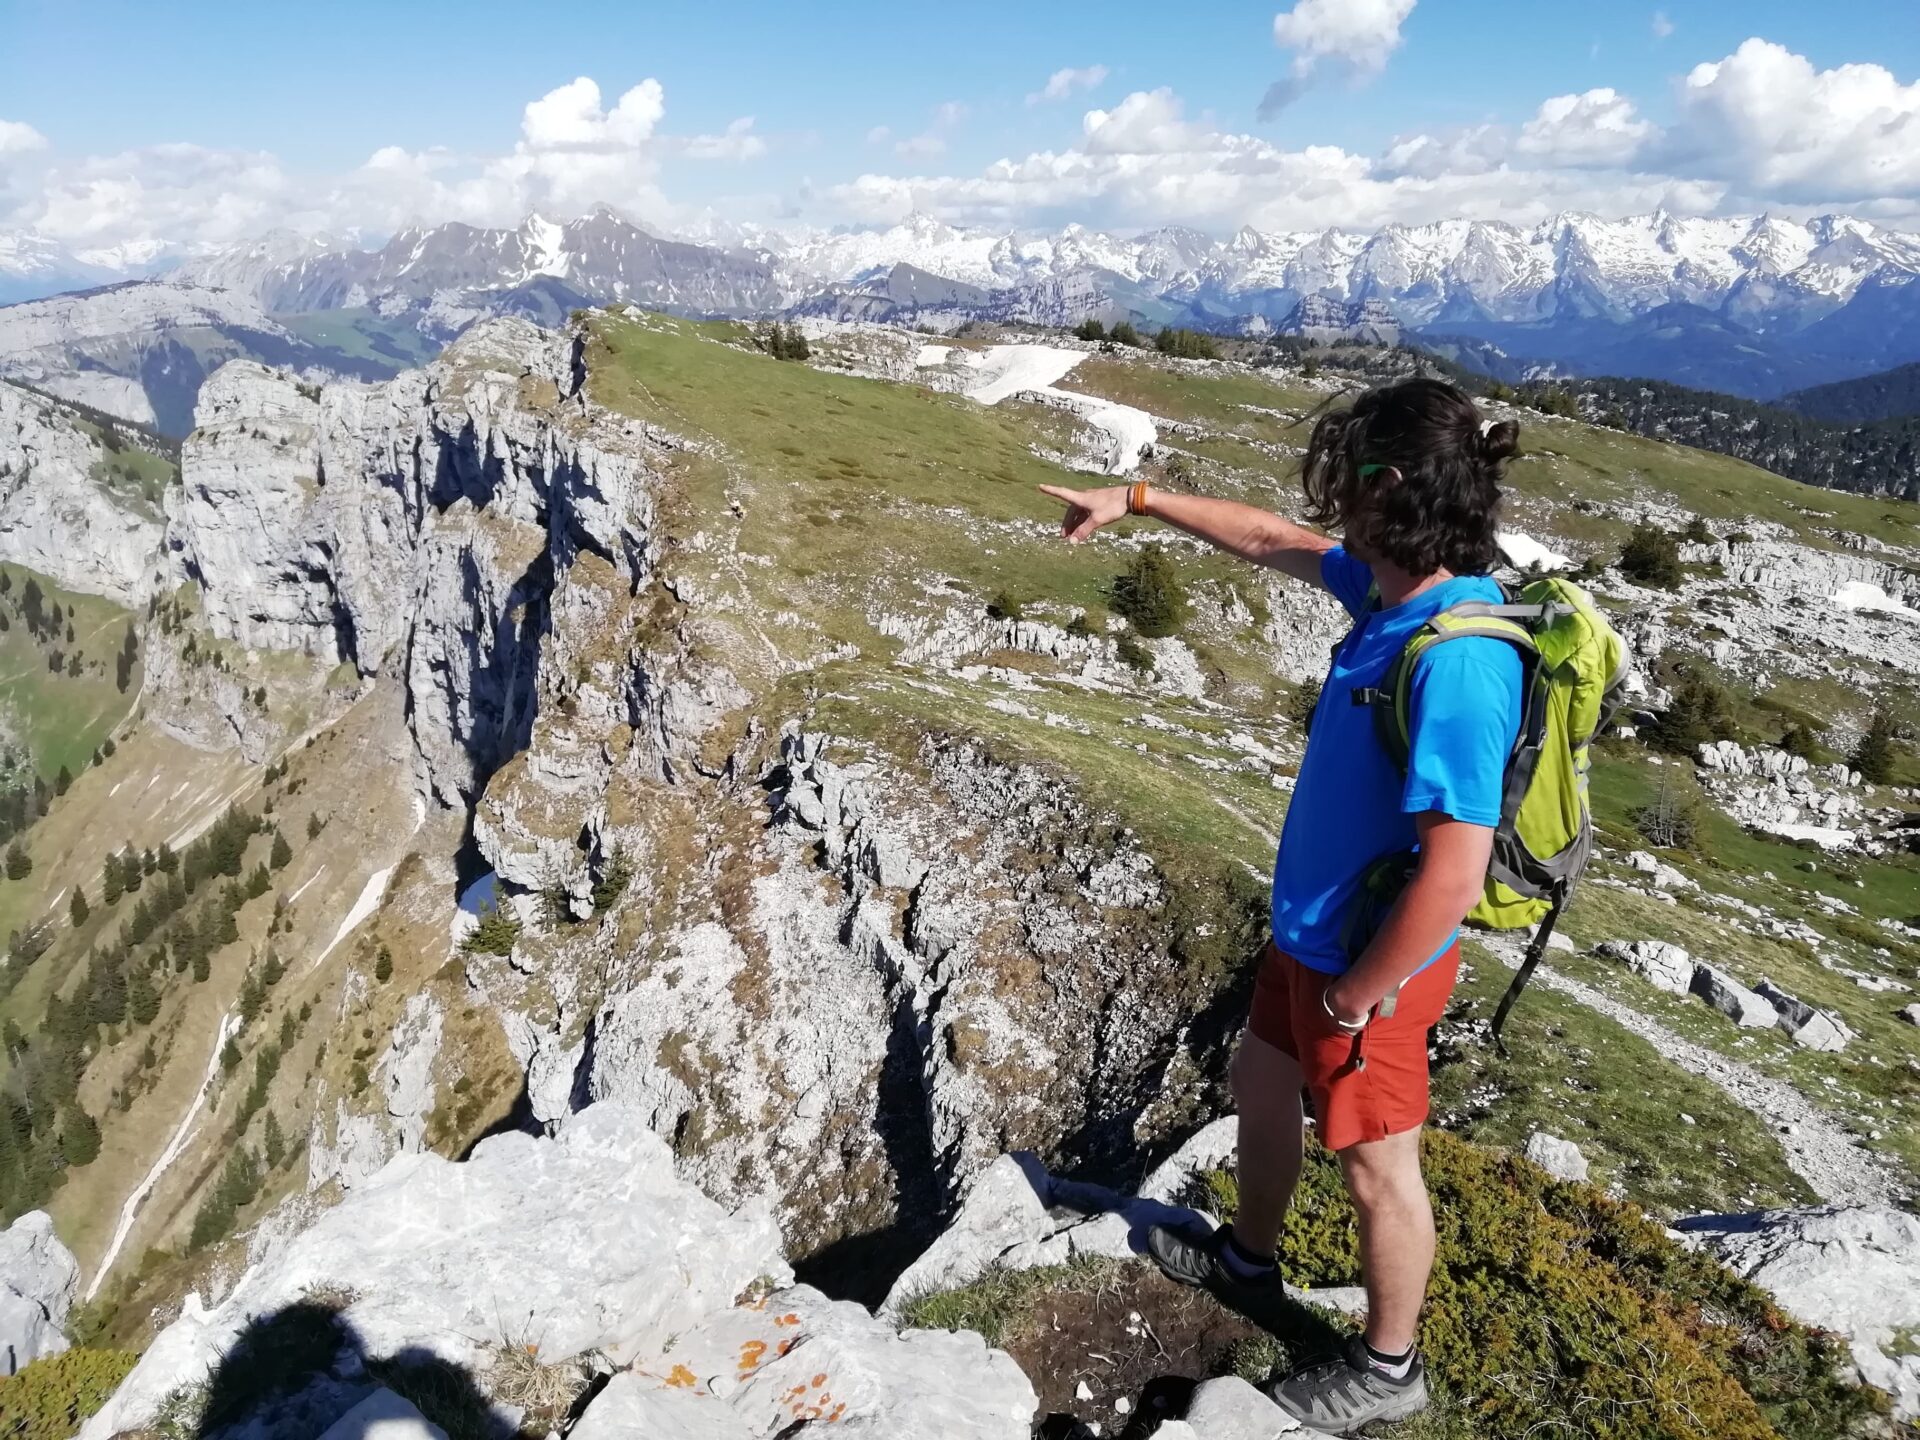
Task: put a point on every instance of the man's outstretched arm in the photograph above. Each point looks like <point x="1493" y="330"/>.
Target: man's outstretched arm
<point x="1243" y="530"/>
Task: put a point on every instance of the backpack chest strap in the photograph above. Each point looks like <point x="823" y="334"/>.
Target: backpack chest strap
<point x="1392" y="700"/>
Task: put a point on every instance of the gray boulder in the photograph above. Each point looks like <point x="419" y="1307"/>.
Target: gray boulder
<point x="1664" y="966"/>
<point x="1746" y="1008"/>
<point x="1559" y="1158"/>
<point x="801" y="1360"/>
<point x="1910" y="1014"/>
<point x="1815" y="1029"/>
<point x="1231" y="1409"/>
<point x="1006" y="1207"/>
<point x="1850" y="1269"/>
<point x="38" y="1281"/>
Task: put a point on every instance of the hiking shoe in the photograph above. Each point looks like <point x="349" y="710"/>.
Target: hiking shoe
<point x="1337" y="1396"/>
<point x="1193" y="1258"/>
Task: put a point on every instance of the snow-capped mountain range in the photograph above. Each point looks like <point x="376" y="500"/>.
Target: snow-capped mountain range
<point x="1754" y="304"/>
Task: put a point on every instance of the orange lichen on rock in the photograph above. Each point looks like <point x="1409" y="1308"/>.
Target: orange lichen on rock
<point x="752" y="1354"/>
<point x="681" y="1378"/>
<point x="787" y="1319"/>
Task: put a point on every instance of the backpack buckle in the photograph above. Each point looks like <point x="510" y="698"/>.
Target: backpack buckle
<point x="1368" y="695"/>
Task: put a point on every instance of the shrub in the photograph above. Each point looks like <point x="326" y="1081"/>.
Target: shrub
<point x="1550" y="1300"/>
<point x="1133" y="654"/>
<point x="497" y="932"/>
<point x="1697" y="532"/>
<point x="1672" y="821"/>
<point x="1150" y="594"/>
<point x="1700" y="711"/>
<point x="615" y="875"/>
<point x="1004" y="607"/>
<point x="1124" y="334"/>
<point x="49" y="1398"/>
<point x="1801" y="741"/>
<point x="383" y="965"/>
<point x="1090" y="329"/>
<point x="1651" y="557"/>
<point x="1303" y="702"/>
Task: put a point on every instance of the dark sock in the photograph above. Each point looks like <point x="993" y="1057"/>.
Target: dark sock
<point x="1394" y="1367"/>
<point x="1242" y="1261"/>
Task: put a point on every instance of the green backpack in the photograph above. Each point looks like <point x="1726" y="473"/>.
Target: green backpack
<point x="1573" y="669"/>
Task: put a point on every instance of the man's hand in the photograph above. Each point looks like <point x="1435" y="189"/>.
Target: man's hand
<point x="1088" y="510"/>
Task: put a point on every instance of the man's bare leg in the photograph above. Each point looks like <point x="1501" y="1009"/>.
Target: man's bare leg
<point x="1396" y="1235"/>
<point x="1266" y="1088"/>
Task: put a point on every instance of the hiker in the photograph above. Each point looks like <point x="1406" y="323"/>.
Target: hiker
<point x="1410" y="477"/>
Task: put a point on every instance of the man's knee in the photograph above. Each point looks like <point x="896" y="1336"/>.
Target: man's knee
<point x="1384" y="1175"/>
<point x="1266" y="1081"/>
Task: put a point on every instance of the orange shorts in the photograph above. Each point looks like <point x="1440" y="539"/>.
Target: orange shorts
<point x="1365" y="1086"/>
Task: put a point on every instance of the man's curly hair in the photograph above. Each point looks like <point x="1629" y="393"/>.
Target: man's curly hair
<point x="1438" y="505"/>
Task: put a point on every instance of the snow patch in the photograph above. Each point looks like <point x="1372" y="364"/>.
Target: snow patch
<point x="1860" y="595"/>
<point x="368" y="902"/>
<point x="930" y="355"/>
<point x="1523" y="552"/>
<point x="182" y="1133"/>
<point x="1004" y="370"/>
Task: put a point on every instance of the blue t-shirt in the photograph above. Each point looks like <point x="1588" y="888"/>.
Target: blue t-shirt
<point x="1351" y="805"/>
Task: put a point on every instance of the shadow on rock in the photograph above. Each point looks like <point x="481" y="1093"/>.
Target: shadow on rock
<point x="304" y="1370"/>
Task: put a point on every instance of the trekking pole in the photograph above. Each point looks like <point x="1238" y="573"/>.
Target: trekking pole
<point x="1527" y="964"/>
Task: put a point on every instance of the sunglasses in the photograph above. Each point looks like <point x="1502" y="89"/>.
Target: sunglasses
<point x="1367" y="472"/>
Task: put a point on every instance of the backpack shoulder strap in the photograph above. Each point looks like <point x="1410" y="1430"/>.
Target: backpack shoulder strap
<point x="1392" y="700"/>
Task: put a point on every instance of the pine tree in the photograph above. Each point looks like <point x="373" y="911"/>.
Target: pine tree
<point x="273" y="1144"/>
<point x="229" y="1056"/>
<point x="110" y="884"/>
<point x="282" y="853"/>
<point x="383" y="965"/>
<point x="1150" y="594"/>
<point x="143" y="1001"/>
<point x="202" y="967"/>
<point x="165" y="860"/>
<point x="63" y="781"/>
<point x="79" y="1137"/>
<point x="1873" y="756"/>
<point x="259" y="882"/>
<point x="78" y="908"/>
<point x="19" y="863"/>
<point x="315" y="825"/>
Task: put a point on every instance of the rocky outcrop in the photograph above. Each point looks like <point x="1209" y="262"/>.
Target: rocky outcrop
<point x="1661" y="964"/>
<point x="1746" y="1008"/>
<point x="68" y="508"/>
<point x="414" y="530"/>
<point x="585" y="1244"/>
<point x="39" y="1279"/>
<point x="1851" y="1269"/>
<point x="1815" y="1029"/>
<point x="916" y="970"/>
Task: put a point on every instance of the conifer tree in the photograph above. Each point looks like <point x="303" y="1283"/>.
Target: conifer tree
<point x="79" y="1137"/>
<point x="63" y="781"/>
<point x="282" y="852"/>
<point x="143" y="1001"/>
<point x="110" y="885"/>
<point x="77" y="908"/>
<point x="1873" y="756"/>
<point x="273" y="1143"/>
<point x="19" y="863"/>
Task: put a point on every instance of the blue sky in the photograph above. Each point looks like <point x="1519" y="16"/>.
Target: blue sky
<point x="271" y="112"/>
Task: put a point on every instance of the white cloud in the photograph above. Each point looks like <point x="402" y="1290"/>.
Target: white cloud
<point x="1765" y="120"/>
<point x="1597" y="130"/>
<point x="1662" y="25"/>
<point x="1065" y="82"/>
<point x="947" y="117"/>
<point x="879" y="135"/>
<point x="17" y="137"/>
<point x="1354" y="35"/>
<point x="928" y="144"/>
<point x="738" y="143"/>
<point x="1363" y="33"/>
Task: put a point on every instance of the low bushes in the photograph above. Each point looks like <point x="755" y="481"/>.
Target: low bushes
<point x="1551" y="1302"/>
<point x="49" y="1398"/>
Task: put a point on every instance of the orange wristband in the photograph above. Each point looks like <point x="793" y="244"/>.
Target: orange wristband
<point x="1137" y="498"/>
